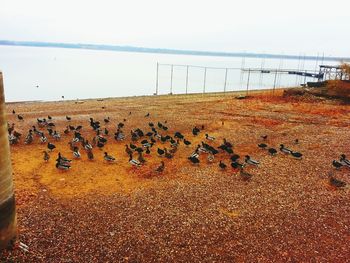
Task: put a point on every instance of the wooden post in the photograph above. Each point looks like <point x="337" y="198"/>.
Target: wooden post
<point x="8" y="220"/>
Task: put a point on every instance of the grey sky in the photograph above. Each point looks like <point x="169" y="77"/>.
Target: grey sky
<point x="270" y="26"/>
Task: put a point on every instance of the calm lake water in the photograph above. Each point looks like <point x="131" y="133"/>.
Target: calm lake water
<point x="32" y="73"/>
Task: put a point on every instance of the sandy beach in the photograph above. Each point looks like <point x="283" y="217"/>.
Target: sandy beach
<point x="101" y="212"/>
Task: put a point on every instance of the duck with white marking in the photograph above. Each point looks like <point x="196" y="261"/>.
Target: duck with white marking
<point x="285" y="150"/>
<point x="250" y="161"/>
<point x="344" y="161"/>
<point x="108" y="158"/>
<point x="134" y="162"/>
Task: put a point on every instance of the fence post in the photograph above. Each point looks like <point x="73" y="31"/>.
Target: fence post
<point x="225" y="80"/>
<point x="186" y="79"/>
<point x="205" y="76"/>
<point x="274" y="83"/>
<point x="248" y="81"/>
<point x="157" y="79"/>
<point x="171" y="80"/>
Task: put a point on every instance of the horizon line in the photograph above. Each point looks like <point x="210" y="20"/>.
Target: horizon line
<point x="128" y="48"/>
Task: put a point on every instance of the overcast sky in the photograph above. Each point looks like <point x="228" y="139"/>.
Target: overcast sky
<point x="266" y="26"/>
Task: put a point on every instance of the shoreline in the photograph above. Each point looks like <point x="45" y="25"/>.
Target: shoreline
<point x="207" y="94"/>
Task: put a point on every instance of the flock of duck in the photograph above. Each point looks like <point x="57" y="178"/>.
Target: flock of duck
<point x="142" y="142"/>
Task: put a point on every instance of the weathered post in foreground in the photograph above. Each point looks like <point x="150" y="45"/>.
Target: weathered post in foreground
<point x="8" y="220"/>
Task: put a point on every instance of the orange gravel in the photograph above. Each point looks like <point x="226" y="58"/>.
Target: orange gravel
<point x="100" y="212"/>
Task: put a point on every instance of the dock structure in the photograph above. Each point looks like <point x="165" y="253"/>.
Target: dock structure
<point x="333" y="73"/>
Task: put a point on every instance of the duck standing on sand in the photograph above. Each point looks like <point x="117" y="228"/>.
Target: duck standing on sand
<point x="108" y="158"/>
<point x="133" y="162"/>
<point x="251" y="161"/>
<point x="46" y="156"/>
<point x="284" y="149"/>
<point x="344" y="161"/>
<point x="296" y="155"/>
<point x="222" y="165"/>
<point x="161" y="167"/>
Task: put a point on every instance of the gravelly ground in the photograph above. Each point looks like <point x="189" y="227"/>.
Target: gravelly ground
<point x="287" y="212"/>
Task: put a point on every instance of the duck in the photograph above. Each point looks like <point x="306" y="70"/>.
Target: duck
<point x="140" y="158"/>
<point x="87" y="145"/>
<point x="251" y="161"/>
<point x="337" y="164"/>
<point x="234" y="157"/>
<point x="296" y="155"/>
<point x="161" y="167"/>
<point x="108" y="158"/>
<point x="128" y="150"/>
<point x="179" y="135"/>
<point x="210" y="138"/>
<point x="76" y="152"/>
<point x="100" y="144"/>
<point x="344" y="161"/>
<point x="106" y="120"/>
<point x="145" y="143"/>
<point x="222" y="165"/>
<point x="236" y="165"/>
<point x="62" y="166"/>
<point x="51" y="146"/>
<point x="20" y="117"/>
<point x="133" y="162"/>
<point x="63" y="160"/>
<point x="186" y="142"/>
<point x="160" y="152"/>
<point x="46" y="156"/>
<point x="262" y="145"/>
<point x="119" y="135"/>
<point x="139" y="150"/>
<point x="56" y="135"/>
<point x="193" y="159"/>
<point x="43" y="138"/>
<point x="147" y="115"/>
<point x="90" y="155"/>
<point x="68" y="118"/>
<point x="227" y="144"/>
<point x="272" y="151"/>
<point x="195" y="131"/>
<point x="133" y="146"/>
<point x="148" y="151"/>
<point x="167" y="154"/>
<point x="29" y="138"/>
<point x="336" y="182"/>
<point x="284" y="149"/>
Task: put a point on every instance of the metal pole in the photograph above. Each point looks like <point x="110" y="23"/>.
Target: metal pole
<point x="274" y="83"/>
<point x="305" y="77"/>
<point x="171" y="79"/>
<point x="225" y="81"/>
<point x="157" y="79"/>
<point x="248" y="82"/>
<point x="205" y="76"/>
<point x="187" y="79"/>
